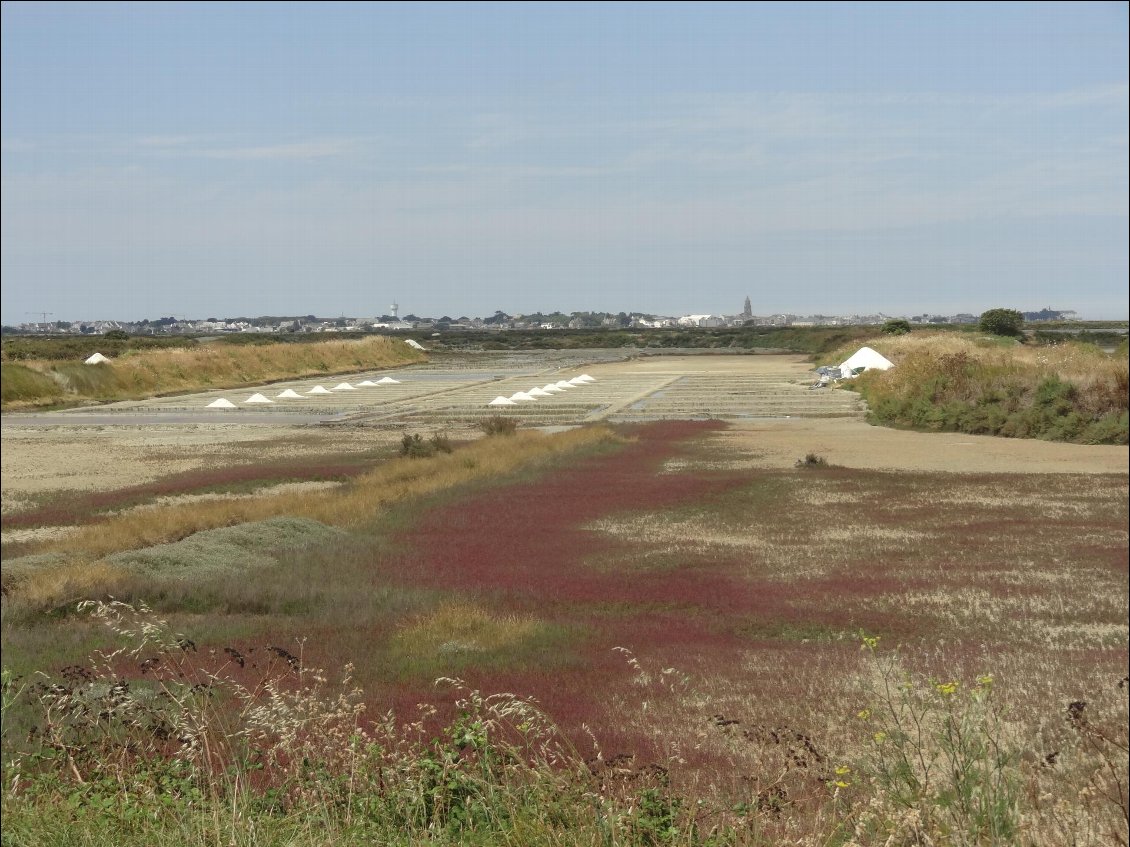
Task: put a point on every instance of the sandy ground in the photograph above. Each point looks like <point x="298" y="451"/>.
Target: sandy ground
<point x="38" y="461"/>
<point x="708" y="363"/>
<point x="855" y="444"/>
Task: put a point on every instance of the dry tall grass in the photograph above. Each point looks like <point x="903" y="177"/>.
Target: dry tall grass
<point x="465" y="627"/>
<point x="145" y="373"/>
<point x="1083" y="365"/>
<point x="1064" y="392"/>
<point x="352" y="505"/>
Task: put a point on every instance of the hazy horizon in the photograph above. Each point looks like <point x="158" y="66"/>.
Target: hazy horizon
<point x="289" y="159"/>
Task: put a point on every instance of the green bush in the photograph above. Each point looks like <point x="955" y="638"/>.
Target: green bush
<point x="415" y="447"/>
<point x="1109" y="429"/>
<point x="957" y="393"/>
<point x="812" y="460"/>
<point x="1007" y="322"/>
<point x="441" y="444"/>
<point x="498" y="425"/>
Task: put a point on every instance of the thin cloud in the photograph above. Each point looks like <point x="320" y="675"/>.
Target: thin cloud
<point x="322" y="149"/>
<point x="16" y="145"/>
<point x="162" y="142"/>
<point x="197" y="148"/>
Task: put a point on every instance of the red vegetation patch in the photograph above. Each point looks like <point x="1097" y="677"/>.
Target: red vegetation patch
<point x="85" y="508"/>
<point x="524" y="545"/>
<point x="527" y="539"/>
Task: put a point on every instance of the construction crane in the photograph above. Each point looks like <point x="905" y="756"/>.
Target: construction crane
<point x="44" y="314"/>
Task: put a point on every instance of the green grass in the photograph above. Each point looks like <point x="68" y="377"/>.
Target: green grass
<point x="227" y="550"/>
<point x="19" y="383"/>
<point x="1070" y="392"/>
<point x="77" y="348"/>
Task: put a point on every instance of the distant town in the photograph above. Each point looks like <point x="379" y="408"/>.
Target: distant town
<point x="498" y="322"/>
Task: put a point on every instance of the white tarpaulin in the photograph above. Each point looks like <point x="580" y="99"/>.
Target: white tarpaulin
<point x="864" y="359"/>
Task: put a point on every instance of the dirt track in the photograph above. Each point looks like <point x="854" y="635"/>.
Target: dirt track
<point x="856" y="444"/>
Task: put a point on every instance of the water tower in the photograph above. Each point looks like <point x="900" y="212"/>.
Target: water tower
<point x="393" y="309"/>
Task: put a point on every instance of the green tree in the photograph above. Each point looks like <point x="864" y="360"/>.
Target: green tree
<point x="896" y="326"/>
<point x="1002" y="322"/>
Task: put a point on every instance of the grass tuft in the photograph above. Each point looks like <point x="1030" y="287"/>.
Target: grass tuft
<point x="812" y="460"/>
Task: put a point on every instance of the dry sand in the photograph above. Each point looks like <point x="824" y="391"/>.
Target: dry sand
<point x="855" y="444"/>
<point x="38" y="461"/>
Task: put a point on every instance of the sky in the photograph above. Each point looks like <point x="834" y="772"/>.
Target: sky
<point x="229" y="159"/>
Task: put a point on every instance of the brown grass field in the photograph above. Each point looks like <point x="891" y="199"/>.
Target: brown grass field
<point x="697" y="612"/>
<point x="145" y="373"/>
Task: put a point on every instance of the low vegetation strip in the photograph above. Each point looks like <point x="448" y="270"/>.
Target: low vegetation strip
<point x="813" y="340"/>
<point x="89" y="507"/>
<point x="1066" y="392"/>
<point x="363" y="500"/>
<point x="137" y="374"/>
<point x="19" y="348"/>
<point x="218" y="551"/>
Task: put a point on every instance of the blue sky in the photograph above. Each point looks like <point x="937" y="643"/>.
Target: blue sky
<point x="214" y="160"/>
